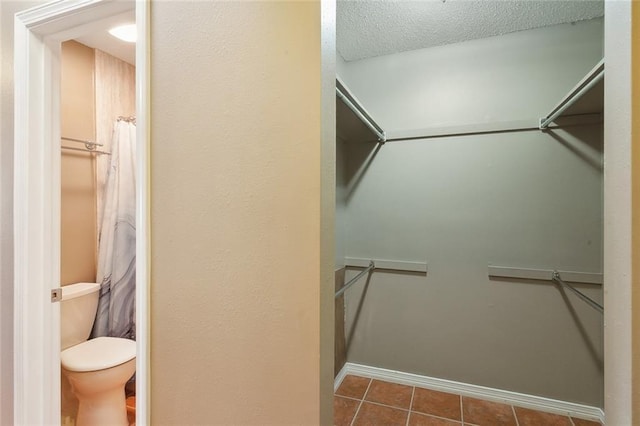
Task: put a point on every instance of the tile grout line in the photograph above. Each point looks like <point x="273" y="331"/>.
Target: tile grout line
<point x="361" y="402"/>
<point x="404" y="409"/>
<point x="515" y="416"/>
<point x="440" y="418"/>
<point x="390" y="406"/>
<point x="571" y="421"/>
<point x="413" y="392"/>
<point x="347" y="397"/>
<point x="409" y="410"/>
<point x="461" y="410"/>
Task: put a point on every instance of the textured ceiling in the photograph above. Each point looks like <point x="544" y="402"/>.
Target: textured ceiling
<point x="367" y="28"/>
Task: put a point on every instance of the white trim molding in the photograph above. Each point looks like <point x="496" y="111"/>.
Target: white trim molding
<point x="490" y="394"/>
<point x="618" y="215"/>
<point x="36" y="347"/>
<point x="143" y="215"/>
<point x="36" y="254"/>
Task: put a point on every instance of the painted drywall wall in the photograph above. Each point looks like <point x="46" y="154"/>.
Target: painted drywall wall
<point x="235" y="214"/>
<point x="7" y="11"/>
<point x="524" y="199"/>
<point x="78" y="236"/>
<point x="618" y="216"/>
<point x="635" y="99"/>
<point x="487" y="80"/>
<point x="327" y="208"/>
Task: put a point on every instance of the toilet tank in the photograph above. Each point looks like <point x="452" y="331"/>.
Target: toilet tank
<point x="77" y="312"/>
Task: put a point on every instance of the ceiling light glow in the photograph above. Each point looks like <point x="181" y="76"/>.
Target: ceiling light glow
<point x="126" y="33"/>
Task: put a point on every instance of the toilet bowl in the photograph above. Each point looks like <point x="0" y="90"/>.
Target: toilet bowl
<point x="96" y="369"/>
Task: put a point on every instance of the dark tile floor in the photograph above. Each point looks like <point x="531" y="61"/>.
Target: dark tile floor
<point x="360" y="401"/>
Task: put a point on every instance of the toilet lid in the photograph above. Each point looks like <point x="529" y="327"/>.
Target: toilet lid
<point x="98" y="354"/>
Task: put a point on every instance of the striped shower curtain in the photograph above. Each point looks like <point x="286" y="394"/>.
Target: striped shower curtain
<point x="117" y="241"/>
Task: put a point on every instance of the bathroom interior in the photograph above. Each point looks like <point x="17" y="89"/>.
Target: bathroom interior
<point x="97" y="271"/>
<point x="469" y="207"/>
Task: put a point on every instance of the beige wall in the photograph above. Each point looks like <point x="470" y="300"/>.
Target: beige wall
<point x="96" y="89"/>
<point x="235" y="214"/>
<point x="78" y="203"/>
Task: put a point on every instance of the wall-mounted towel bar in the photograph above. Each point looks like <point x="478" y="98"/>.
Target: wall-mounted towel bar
<point x="89" y="143"/>
<point x="89" y="146"/>
<point x="555" y="276"/>
<point x="352" y="281"/>
<point x="90" y="151"/>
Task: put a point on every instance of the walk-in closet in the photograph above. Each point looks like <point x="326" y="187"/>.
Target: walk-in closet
<point x="469" y="200"/>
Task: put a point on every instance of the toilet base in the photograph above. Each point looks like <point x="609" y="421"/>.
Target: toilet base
<point x="101" y="395"/>
<point x="106" y="409"/>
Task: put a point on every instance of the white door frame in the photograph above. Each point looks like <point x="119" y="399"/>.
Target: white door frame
<point x="38" y="34"/>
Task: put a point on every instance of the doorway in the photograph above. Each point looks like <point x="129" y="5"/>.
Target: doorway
<point x="39" y="34"/>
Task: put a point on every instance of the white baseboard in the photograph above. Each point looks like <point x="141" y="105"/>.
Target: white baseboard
<point x="498" y="395"/>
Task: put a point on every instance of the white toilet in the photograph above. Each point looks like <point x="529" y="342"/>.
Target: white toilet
<point x="97" y="369"/>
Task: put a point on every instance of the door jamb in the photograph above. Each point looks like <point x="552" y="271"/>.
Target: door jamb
<point x="38" y="34"/>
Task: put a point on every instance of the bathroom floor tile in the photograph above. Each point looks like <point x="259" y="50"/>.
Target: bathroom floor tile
<point x="527" y="417"/>
<point x="436" y="403"/>
<point x="417" y="419"/>
<point x="343" y="410"/>
<point x="487" y="413"/>
<point x="378" y="415"/>
<point x="389" y="394"/>
<point x="353" y="386"/>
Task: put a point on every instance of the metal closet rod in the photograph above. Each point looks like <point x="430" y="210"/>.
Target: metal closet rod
<point x="587" y="83"/>
<point x="355" y="279"/>
<point x="554" y="276"/>
<point x="595" y="305"/>
<point x="354" y="105"/>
